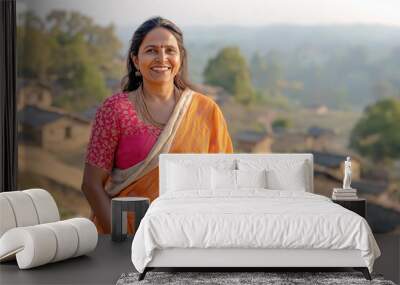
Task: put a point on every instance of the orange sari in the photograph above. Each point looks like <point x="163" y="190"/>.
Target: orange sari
<point x="202" y="130"/>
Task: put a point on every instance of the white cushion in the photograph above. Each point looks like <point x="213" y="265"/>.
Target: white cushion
<point x="46" y="207"/>
<point x="251" y="178"/>
<point x="224" y="179"/>
<point x="26" y="208"/>
<point x="181" y="177"/>
<point x="293" y="180"/>
<point x="7" y="218"/>
<point x="66" y="237"/>
<point x="23" y="208"/>
<point x="219" y="163"/>
<point x="87" y="234"/>
<point x="40" y="244"/>
<point x="282" y="174"/>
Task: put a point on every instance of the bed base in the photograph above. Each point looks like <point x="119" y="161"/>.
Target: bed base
<point x="243" y="259"/>
<point x="363" y="270"/>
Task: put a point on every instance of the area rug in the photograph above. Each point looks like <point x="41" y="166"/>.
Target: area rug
<point x="230" y="278"/>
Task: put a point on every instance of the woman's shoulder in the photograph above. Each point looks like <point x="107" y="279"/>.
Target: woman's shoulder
<point x="204" y="99"/>
<point x="115" y="99"/>
<point x="115" y="103"/>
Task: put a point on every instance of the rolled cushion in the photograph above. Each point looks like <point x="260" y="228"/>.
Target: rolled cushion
<point x="33" y="246"/>
<point x="66" y="238"/>
<point x="23" y="208"/>
<point x="26" y="208"/>
<point x="40" y="244"/>
<point x="87" y="235"/>
<point x="7" y="218"/>
<point x="46" y="207"/>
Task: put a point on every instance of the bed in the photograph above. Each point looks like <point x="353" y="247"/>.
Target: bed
<point x="247" y="210"/>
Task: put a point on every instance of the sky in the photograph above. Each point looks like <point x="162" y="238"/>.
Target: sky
<point x="229" y="12"/>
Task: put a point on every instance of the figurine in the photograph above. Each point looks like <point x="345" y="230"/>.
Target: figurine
<point x="347" y="173"/>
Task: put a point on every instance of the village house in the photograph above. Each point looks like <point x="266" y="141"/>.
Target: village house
<point x="253" y="142"/>
<point x="33" y="93"/>
<point x="289" y="141"/>
<point x="52" y="128"/>
<point x="319" y="138"/>
<point x="333" y="164"/>
<point x="318" y="109"/>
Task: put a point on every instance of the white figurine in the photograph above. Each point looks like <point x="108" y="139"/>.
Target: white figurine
<point x="347" y="173"/>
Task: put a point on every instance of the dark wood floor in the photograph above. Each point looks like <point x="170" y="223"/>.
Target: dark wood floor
<point x="110" y="260"/>
<point x="389" y="262"/>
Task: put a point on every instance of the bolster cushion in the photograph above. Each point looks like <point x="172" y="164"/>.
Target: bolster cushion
<point x="26" y="208"/>
<point x="45" y="243"/>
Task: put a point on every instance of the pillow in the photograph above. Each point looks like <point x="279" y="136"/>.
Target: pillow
<point x="181" y="177"/>
<point x="251" y="178"/>
<point x="223" y="179"/>
<point x="286" y="180"/>
<point x="281" y="174"/>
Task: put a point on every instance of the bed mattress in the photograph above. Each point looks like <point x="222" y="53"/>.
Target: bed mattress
<point x="251" y="219"/>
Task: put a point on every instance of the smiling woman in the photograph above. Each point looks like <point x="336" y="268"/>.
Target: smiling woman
<point x="156" y="112"/>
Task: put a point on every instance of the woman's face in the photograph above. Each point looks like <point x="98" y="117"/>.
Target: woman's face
<point x="159" y="58"/>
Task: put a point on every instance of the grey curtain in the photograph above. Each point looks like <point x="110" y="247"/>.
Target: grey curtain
<point x="8" y="135"/>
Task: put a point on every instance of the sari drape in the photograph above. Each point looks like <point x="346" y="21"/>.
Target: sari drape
<point x="201" y="129"/>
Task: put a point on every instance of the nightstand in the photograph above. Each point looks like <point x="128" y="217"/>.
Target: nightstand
<point x="358" y="206"/>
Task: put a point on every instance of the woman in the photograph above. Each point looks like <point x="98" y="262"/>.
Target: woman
<point x="156" y="112"/>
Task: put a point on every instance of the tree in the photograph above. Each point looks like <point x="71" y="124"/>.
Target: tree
<point x="281" y="124"/>
<point x="377" y="133"/>
<point x="34" y="47"/>
<point x="69" y="51"/>
<point x="267" y="73"/>
<point x="229" y="70"/>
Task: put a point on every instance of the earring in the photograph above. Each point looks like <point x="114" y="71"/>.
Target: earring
<point x="137" y="73"/>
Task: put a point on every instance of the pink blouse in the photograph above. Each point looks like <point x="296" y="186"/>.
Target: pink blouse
<point x="119" y="138"/>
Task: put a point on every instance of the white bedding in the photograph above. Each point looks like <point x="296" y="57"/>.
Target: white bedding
<point x="251" y="218"/>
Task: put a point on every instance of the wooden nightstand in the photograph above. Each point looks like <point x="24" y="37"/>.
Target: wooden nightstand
<point x="358" y="206"/>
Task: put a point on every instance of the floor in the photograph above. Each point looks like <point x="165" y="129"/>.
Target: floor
<point x="389" y="262"/>
<point x="110" y="260"/>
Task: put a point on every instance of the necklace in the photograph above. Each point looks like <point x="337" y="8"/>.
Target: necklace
<point x="148" y="114"/>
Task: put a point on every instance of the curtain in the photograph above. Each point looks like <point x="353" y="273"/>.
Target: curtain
<point x="8" y="136"/>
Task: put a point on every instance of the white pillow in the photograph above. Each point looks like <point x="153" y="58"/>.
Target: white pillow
<point x="223" y="179"/>
<point x="292" y="180"/>
<point x="181" y="177"/>
<point x="282" y="174"/>
<point x="251" y="178"/>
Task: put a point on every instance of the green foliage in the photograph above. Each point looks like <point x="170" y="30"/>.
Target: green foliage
<point x="282" y="124"/>
<point x="70" y="52"/>
<point x="230" y="71"/>
<point x="267" y="73"/>
<point x="377" y="133"/>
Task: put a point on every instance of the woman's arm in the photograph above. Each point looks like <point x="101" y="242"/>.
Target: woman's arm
<point x="94" y="179"/>
<point x="100" y="159"/>
<point x="220" y="140"/>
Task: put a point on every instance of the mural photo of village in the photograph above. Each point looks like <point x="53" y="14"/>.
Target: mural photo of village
<point x="293" y="94"/>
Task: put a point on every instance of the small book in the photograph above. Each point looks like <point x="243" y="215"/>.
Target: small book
<point x="345" y="194"/>
<point x="334" y="197"/>
<point x="341" y="190"/>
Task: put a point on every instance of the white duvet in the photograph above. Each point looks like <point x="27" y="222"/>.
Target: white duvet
<point x="251" y="218"/>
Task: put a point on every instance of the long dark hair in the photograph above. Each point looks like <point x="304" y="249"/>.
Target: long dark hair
<point x="131" y="81"/>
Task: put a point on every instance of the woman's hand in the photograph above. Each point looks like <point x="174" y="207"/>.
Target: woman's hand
<point x="94" y="179"/>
